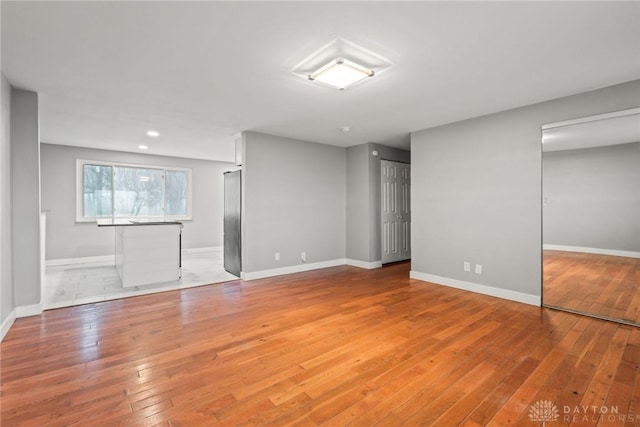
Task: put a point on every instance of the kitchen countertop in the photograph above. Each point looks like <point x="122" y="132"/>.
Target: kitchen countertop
<point x="110" y="222"/>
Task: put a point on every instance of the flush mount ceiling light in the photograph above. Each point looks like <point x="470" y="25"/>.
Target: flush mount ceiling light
<point x="153" y="133"/>
<point x="341" y="64"/>
<point x="341" y="73"/>
<point x="142" y="147"/>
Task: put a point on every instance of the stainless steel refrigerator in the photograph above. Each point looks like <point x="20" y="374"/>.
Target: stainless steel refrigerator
<point x="232" y="213"/>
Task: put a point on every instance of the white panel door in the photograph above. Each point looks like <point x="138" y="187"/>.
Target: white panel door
<point x="396" y="211"/>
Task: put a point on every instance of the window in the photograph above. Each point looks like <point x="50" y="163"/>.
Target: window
<point x="113" y="190"/>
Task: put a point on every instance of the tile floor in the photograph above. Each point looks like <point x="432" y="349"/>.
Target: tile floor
<point x="76" y="284"/>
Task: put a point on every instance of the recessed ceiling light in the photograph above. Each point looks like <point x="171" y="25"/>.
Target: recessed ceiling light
<point x="345" y="129"/>
<point x="341" y="73"/>
<point x="142" y="147"/>
<point x="153" y="133"/>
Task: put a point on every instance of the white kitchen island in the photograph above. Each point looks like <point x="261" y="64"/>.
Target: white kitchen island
<point x="146" y="252"/>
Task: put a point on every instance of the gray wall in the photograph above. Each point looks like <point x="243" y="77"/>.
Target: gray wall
<point x="68" y="239"/>
<point x="359" y="197"/>
<point x="476" y="190"/>
<point x="6" y="279"/>
<point x="364" y="198"/>
<point x="25" y="193"/>
<point x="593" y="197"/>
<point x="294" y="200"/>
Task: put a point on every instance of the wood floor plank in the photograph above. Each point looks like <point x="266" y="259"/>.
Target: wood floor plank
<point x="602" y="285"/>
<point x="339" y="346"/>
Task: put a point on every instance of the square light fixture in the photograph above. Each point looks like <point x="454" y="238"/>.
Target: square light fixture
<point x="341" y="73"/>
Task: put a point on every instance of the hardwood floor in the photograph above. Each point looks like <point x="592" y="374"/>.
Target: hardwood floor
<point x="340" y="346"/>
<point x="599" y="284"/>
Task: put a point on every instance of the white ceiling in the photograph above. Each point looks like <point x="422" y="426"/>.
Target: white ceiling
<point x="588" y="133"/>
<point x="198" y="72"/>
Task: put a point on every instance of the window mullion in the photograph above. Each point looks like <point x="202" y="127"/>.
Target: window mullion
<point x="164" y="194"/>
<point x="113" y="196"/>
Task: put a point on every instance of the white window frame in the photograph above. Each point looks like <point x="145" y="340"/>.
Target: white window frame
<point x="80" y="190"/>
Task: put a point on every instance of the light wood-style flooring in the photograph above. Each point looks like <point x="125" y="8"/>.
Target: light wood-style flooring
<point x="339" y="346"/>
<point x="603" y="285"/>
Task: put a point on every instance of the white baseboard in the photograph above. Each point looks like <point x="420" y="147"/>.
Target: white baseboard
<point x="363" y="264"/>
<point x="478" y="288"/>
<point x="28" y="310"/>
<point x="106" y="259"/>
<point x="292" y="269"/>
<point x="203" y="249"/>
<point x="598" y="251"/>
<point x="6" y="325"/>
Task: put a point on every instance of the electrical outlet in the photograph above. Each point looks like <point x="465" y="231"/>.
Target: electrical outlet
<point x="478" y="269"/>
<point x="303" y="256"/>
<point x="277" y="256"/>
<point x="467" y="266"/>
